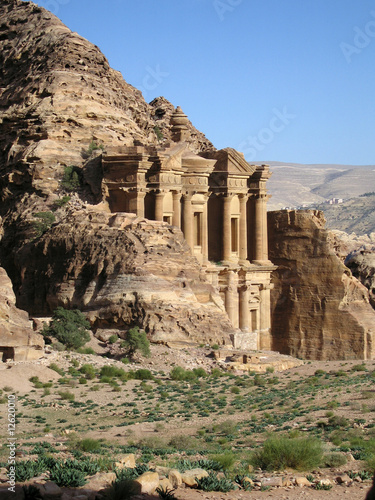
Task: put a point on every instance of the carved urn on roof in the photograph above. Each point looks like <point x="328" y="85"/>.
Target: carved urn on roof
<point x="179" y="122"/>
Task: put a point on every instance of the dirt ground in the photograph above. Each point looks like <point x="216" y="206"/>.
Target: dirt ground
<point x="353" y="401"/>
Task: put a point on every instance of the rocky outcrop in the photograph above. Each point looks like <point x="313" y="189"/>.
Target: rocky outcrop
<point x="362" y="265"/>
<point x="58" y="94"/>
<point x="319" y="310"/>
<point x="17" y="338"/>
<point x="122" y="271"/>
<point x="358" y="254"/>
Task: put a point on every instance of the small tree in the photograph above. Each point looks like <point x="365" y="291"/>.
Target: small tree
<point x="137" y="341"/>
<point x="69" y="327"/>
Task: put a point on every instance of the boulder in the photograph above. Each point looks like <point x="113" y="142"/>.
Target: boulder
<point x="189" y="477"/>
<point x="147" y="483"/>
<point x="126" y="461"/>
<point x="302" y="481"/>
<point x="175" y="478"/>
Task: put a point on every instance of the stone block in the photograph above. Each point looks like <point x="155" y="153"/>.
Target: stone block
<point x="165" y="484"/>
<point x="126" y="461"/>
<point x="302" y="481"/>
<point x="189" y="476"/>
<point x="175" y="478"/>
<point x="147" y="483"/>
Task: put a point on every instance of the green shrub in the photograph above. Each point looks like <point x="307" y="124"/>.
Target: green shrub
<point x="143" y="374"/>
<point x="61" y="202"/>
<point x="88" y="370"/>
<point x="212" y="483"/>
<point x="112" y="371"/>
<point x="68" y="477"/>
<point x="69" y="327"/>
<point x="182" y="442"/>
<point x="88" y="445"/>
<point x="71" y="179"/>
<point x="165" y="493"/>
<point x="69" y="396"/>
<point x="113" y="339"/>
<point x="180" y="374"/>
<point x="279" y="453"/>
<point x="160" y="137"/>
<point x="226" y="459"/>
<point x="136" y="340"/>
<point x="27" y="470"/>
<point x="85" y="350"/>
<point x="43" y="223"/>
<point x="334" y="459"/>
<point x="56" y="368"/>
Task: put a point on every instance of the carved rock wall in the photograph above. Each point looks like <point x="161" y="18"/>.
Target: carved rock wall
<point x="319" y="310"/>
<point x="18" y="341"/>
<point x="122" y="271"/>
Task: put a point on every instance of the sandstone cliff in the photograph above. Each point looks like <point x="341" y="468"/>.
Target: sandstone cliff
<point x="57" y="95"/>
<point x="122" y="270"/>
<point x="18" y="341"/>
<point x="319" y="311"/>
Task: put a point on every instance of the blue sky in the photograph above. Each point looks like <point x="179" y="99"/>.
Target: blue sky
<point x="282" y="80"/>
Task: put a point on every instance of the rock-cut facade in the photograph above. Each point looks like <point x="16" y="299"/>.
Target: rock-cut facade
<point x="219" y="201"/>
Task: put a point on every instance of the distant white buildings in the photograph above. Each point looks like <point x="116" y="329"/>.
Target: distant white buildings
<point x="335" y="201"/>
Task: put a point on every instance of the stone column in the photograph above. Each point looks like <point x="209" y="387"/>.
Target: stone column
<point x="265" y="229"/>
<point x="187" y="216"/>
<point x="159" y="208"/>
<point x="244" y="309"/>
<point x="231" y="306"/>
<point x="243" y="230"/>
<point x="265" y="318"/>
<point x="176" y="218"/>
<point x="205" y="234"/>
<point x="227" y="230"/>
<point x="258" y="237"/>
<point x="261" y="237"/>
<point x="140" y="210"/>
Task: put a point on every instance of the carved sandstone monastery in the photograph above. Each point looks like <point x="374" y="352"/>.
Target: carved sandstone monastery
<point x="165" y="232"/>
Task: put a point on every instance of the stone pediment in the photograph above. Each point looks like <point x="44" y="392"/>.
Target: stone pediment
<point x="230" y="161"/>
<point x="189" y="161"/>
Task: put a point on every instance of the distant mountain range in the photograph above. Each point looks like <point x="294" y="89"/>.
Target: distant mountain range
<point x="295" y="185"/>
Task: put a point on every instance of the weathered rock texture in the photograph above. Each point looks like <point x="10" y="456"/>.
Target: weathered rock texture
<point x="362" y="265"/>
<point x="57" y="94"/>
<point x="17" y="339"/>
<point x="358" y="254"/>
<point x="319" y="310"/>
<point x="122" y="271"/>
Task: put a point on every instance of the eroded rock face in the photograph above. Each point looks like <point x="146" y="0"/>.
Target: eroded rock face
<point x="17" y="338"/>
<point x="319" y="310"/>
<point x="123" y="271"/>
<point x="58" y="94"/>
